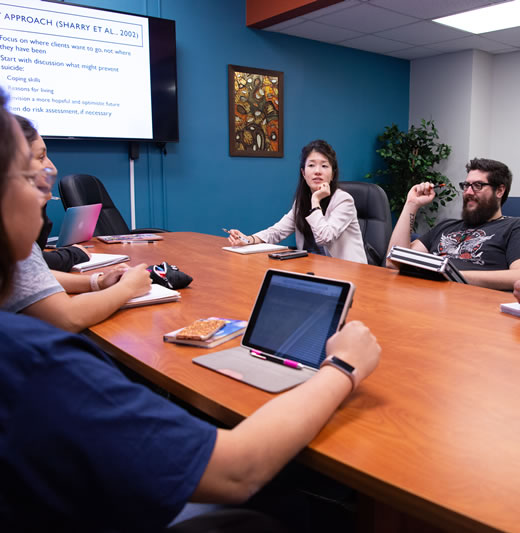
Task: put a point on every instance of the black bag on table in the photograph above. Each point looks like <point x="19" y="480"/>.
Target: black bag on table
<point x="169" y="276"/>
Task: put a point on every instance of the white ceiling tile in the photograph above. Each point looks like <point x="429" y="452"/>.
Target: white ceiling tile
<point x="373" y="43"/>
<point x="332" y="9"/>
<point x="423" y="32"/>
<point x="430" y="9"/>
<point x="287" y="24"/>
<point x="473" y="42"/>
<point x="507" y="51"/>
<point x="416" y="52"/>
<point x="321" y="32"/>
<point x="510" y="36"/>
<point x="366" y="19"/>
<point x="399" y="28"/>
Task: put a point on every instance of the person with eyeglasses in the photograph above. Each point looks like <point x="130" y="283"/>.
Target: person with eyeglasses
<point x="69" y="301"/>
<point x="63" y="258"/>
<point x="484" y="245"/>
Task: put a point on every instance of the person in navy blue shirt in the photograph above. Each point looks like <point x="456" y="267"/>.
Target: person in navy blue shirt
<point x="84" y="449"/>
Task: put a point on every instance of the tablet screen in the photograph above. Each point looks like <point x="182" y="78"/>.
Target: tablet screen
<point x="295" y="314"/>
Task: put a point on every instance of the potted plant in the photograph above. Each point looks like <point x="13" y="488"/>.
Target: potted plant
<point x="410" y="157"/>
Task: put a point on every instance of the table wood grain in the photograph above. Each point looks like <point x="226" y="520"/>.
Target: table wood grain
<point x="435" y="431"/>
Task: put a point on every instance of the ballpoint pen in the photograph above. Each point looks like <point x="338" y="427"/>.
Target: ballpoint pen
<point x="243" y="239"/>
<point x="439" y="185"/>
<point x="279" y="360"/>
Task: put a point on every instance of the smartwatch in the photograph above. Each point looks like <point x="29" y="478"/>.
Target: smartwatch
<point x="344" y="367"/>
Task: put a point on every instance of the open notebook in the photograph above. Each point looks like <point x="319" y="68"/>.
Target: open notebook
<point x="156" y="295"/>
<point x="284" y="342"/>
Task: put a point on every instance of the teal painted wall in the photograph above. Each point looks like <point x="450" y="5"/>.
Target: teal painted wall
<point x="342" y="95"/>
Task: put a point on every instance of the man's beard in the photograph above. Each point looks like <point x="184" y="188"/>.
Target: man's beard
<point x="484" y="210"/>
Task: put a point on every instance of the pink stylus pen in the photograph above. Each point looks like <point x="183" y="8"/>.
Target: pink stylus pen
<point x="292" y="364"/>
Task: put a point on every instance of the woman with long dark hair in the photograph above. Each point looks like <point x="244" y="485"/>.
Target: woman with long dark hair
<point x="323" y="217"/>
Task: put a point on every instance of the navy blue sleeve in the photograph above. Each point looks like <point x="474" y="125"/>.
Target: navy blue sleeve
<point x="83" y="441"/>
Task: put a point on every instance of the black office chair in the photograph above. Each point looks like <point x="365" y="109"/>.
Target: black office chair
<point x="84" y="189"/>
<point x="374" y="216"/>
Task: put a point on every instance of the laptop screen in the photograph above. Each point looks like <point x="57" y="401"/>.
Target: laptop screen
<point x="295" y="314"/>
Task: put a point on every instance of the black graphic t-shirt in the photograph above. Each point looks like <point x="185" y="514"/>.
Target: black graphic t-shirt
<point x="490" y="246"/>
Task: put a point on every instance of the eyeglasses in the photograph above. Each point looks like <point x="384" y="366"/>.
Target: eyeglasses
<point x="42" y="179"/>
<point x="476" y="185"/>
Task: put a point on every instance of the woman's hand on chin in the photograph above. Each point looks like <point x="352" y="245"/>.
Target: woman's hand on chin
<point x="322" y="192"/>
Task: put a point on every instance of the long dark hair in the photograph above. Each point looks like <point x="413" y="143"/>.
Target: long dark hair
<point x="8" y="151"/>
<point x="302" y="197"/>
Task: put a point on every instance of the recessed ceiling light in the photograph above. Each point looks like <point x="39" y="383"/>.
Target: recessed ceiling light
<point x="492" y="18"/>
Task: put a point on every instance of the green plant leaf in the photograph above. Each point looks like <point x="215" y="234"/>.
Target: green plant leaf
<point x="410" y="157"/>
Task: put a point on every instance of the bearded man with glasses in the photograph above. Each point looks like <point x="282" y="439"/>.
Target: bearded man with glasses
<point x="484" y="244"/>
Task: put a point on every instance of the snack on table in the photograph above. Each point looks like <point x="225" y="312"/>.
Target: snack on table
<point x="200" y="329"/>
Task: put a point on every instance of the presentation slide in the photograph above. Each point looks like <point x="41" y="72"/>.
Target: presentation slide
<point x="76" y="72"/>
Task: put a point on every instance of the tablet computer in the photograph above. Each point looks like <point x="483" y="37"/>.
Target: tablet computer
<point x="284" y="342"/>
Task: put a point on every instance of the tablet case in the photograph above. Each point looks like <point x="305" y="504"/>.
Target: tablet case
<point x="238" y="364"/>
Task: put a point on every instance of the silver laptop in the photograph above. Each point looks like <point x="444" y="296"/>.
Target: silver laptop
<point x="78" y="225"/>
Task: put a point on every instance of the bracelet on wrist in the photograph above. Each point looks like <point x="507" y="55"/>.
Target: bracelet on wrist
<point x="252" y="239"/>
<point x="344" y="367"/>
<point x="94" y="281"/>
<point x="314" y="209"/>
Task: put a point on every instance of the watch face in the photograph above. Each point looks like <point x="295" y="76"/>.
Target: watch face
<point x="343" y="364"/>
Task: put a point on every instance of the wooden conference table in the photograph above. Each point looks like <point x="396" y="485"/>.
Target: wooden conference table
<point x="434" y="432"/>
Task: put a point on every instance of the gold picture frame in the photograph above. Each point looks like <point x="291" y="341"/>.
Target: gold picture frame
<point x="255" y="112"/>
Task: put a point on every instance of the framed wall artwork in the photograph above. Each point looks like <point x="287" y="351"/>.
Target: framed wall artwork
<point x="255" y="112"/>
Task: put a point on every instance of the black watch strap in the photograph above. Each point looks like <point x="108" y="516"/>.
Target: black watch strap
<point x="342" y="366"/>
